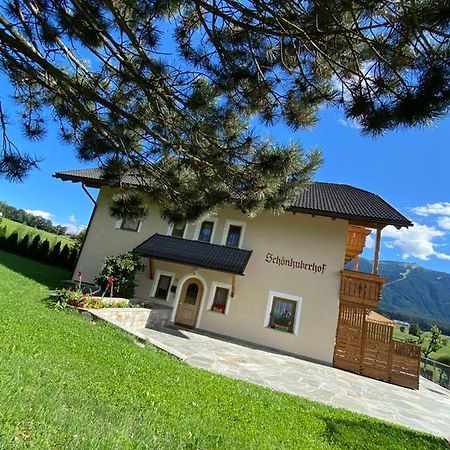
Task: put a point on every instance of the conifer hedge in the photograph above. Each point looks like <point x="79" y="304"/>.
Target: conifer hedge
<point x="35" y="248"/>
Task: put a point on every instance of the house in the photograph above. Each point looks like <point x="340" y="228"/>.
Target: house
<point x="402" y="326"/>
<point x="274" y="280"/>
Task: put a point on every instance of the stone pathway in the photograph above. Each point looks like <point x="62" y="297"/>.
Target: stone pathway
<point x="427" y="409"/>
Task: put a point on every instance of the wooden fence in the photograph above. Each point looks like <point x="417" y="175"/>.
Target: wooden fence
<point x="366" y="346"/>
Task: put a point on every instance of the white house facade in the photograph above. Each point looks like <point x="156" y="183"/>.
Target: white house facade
<point x="273" y="280"/>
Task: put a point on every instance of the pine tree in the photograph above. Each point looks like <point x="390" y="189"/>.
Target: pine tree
<point x="53" y="257"/>
<point x="183" y="129"/>
<point x="33" y="250"/>
<point x="43" y="252"/>
<point x="22" y="248"/>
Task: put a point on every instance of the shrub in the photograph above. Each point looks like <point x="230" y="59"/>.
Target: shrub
<point x="43" y="251"/>
<point x="33" y="249"/>
<point x="71" y="261"/>
<point x="3" y="236"/>
<point x="53" y="257"/>
<point x="415" y="330"/>
<point x="123" y="268"/>
<point x="64" y="256"/>
<point x="22" y="248"/>
<point x="11" y="242"/>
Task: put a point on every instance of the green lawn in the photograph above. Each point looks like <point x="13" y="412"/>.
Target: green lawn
<point x="67" y="383"/>
<point x="22" y="230"/>
<point x="444" y="351"/>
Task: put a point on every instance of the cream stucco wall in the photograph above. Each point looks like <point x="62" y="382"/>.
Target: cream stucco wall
<point x="319" y="240"/>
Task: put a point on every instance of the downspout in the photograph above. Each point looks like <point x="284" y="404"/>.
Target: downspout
<point x="83" y="186"/>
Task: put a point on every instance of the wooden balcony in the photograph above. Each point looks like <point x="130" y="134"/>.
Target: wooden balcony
<point x="361" y="288"/>
<point x="356" y="241"/>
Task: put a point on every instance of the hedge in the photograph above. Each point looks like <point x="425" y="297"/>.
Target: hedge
<point x="35" y="248"/>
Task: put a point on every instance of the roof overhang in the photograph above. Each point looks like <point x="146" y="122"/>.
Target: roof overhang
<point x="369" y="222"/>
<point x="89" y="182"/>
<point x="345" y="202"/>
<point x="195" y="253"/>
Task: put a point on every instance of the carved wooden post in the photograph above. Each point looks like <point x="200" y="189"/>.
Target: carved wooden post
<point x="377" y="252"/>
<point x="356" y="263"/>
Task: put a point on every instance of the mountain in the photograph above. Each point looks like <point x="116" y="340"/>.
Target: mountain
<point x="413" y="293"/>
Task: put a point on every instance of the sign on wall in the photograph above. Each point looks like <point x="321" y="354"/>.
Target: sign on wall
<point x="292" y="263"/>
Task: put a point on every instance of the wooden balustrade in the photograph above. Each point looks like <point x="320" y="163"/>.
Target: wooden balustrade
<point x="356" y="241"/>
<point x="361" y="288"/>
<point x="405" y="366"/>
<point x="365" y="345"/>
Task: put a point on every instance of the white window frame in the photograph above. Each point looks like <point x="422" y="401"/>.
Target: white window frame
<point x="170" y="230"/>
<point x="212" y="293"/>
<point x="158" y="274"/>
<point x="226" y="229"/>
<point x="198" y="226"/>
<point x="119" y="222"/>
<point x="282" y="295"/>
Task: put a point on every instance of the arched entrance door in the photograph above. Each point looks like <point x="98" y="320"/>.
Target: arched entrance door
<point x="189" y="304"/>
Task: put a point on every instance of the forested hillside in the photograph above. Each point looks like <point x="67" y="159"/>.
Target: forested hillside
<point x="414" y="293"/>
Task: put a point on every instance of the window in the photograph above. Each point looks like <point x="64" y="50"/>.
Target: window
<point x="283" y="312"/>
<point x="163" y="287"/>
<point x="206" y="230"/>
<point x="219" y="300"/>
<point x="233" y="233"/>
<point x="234" y="236"/>
<point x="191" y="294"/>
<point x="129" y="225"/>
<point x="178" y="229"/>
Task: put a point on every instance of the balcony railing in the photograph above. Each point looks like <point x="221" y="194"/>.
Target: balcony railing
<point x="361" y="288"/>
<point x="356" y="241"/>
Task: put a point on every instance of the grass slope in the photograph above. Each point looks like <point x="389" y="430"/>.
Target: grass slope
<point x="22" y="230"/>
<point x="68" y="383"/>
<point x="444" y="351"/>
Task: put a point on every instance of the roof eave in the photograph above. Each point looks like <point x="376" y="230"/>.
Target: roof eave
<point x="144" y="255"/>
<point x="89" y="182"/>
<point x="360" y="220"/>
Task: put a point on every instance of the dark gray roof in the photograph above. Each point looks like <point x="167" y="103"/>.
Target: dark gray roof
<point x="91" y="177"/>
<point x="347" y="202"/>
<point x="322" y="199"/>
<point x="195" y="253"/>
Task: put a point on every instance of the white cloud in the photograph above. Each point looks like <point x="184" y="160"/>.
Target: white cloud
<point x="417" y="242"/>
<point x="40" y="213"/>
<point x="72" y="228"/>
<point x="72" y="218"/>
<point x="370" y="241"/>
<point x="350" y="123"/>
<point x="444" y="223"/>
<point x="440" y="208"/>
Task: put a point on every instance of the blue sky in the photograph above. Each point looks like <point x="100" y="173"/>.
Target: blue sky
<point x="409" y="168"/>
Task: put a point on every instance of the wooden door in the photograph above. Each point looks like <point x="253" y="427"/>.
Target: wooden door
<point x="189" y="304"/>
